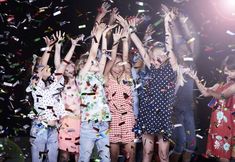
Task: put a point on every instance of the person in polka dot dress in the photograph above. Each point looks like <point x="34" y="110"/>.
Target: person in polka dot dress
<point x="157" y="96"/>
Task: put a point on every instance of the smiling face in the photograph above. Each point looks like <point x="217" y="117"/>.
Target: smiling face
<point x="158" y="56"/>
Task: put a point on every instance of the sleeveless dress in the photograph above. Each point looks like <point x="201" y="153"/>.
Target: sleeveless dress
<point x="156" y="102"/>
<point x="120" y="101"/>
<point x="221" y="131"/>
<point x="69" y="132"/>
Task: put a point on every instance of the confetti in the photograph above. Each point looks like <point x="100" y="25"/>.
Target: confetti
<point x="230" y="33"/>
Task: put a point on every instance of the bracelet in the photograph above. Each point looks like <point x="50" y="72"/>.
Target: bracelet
<point x="222" y="96"/>
<point x="115" y="43"/>
<point x="65" y="61"/>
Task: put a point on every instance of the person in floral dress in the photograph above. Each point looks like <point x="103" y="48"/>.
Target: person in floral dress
<point x="221" y="143"/>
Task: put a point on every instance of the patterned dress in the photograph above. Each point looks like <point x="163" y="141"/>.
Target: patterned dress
<point x="221" y="135"/>
<point x="156" y="101"/>
<point x="121" y="106"/>
<point x="69" y="132"/>
<point x="93" y="105"/>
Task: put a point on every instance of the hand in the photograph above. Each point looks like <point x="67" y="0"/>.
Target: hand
<point x="149" y="31"/>
<point x="104" y="9"/>
<point x="49" y="42"/>
<point x="109" y="27"/>
<point x="75" y="41"/>
<point x="59" y="36"/>
<point x="192" y="74"/>
<point x="117" y="34"/>
<point x="98" y="28"/>
<point x="113" y="15"/>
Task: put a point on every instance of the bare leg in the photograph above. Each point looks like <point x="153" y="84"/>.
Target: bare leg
<point x="114" y="151"/>
<point x="64" y="156"/>
<point x="130" y="152"/>
<point x="148" y="145"/>
<point x="163" y="149"/>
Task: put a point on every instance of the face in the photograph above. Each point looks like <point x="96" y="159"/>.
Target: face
<point x="70" y="70"/>
<point x="158" y="56"/>
<point x="118" y="68"/>
<point x="45" y="71"/>
<point x="229" y="73"/>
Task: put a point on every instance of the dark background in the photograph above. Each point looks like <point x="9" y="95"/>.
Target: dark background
<point x="22" y="27"/>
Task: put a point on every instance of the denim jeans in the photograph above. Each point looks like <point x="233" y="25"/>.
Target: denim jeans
<point x="92" y="133"/>
<point x="184" y="136"/>
<point x="44" y="141"/>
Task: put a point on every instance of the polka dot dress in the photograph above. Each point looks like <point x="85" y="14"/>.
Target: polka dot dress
<point x="156" y="101"/>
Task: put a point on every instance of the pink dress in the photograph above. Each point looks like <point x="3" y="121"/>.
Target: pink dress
<point x="121" y="106"/>
<point x="69" y="132"/>
<point x="221" y="131"/>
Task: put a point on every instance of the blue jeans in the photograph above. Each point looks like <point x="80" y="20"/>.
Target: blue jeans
<point x="92" y="133"/>
<point x="184" y="135"/>
<point x="44" y="141"/>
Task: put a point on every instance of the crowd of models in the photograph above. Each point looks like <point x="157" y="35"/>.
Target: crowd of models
<point x="112" y="98"/>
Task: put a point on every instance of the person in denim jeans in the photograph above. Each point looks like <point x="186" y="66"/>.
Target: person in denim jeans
<point x="184" y="132"/>
<point x="48" y="106"/>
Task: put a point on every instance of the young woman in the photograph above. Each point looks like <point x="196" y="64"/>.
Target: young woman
<point x="157" y="97"/>
<point x="48" y="106"/>
<point x="221" y="133"/>
<point x="119" y="93"/>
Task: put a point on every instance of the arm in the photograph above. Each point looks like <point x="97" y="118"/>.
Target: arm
<point x="57" y="59"/>
<point x="61" y="68"/>
<point x="97" y="32"/>
<point x="116" y="38"/>
<point x="169" y="39"/>
<point x="125" y="58"/>
<point x="46" y="54"/>
<point x="102" y="11"/>
<point x="206" y="92"/>
<point x="103" y="59"/>
<point x="139" y="44"/>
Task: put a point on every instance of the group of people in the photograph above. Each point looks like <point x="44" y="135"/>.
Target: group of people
<point x="109" y="97"/>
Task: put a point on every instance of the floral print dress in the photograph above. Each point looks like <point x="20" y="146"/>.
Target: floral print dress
<point x="221" y="131"/>
<point x="93" y="105"/>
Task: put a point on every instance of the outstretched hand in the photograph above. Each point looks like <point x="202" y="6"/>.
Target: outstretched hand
<point x="117" y="34"/>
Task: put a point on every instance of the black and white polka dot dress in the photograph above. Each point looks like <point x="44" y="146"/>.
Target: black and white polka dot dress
<point x="156" y="101"/>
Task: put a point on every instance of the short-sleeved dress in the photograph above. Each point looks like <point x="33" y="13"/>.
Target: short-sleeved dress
<point x="93" y="105"/>
<point x="156" y="101"/>
<point x="121" y="106"/>
<point x="221" y="135"/>
<point x="69" y="132"/>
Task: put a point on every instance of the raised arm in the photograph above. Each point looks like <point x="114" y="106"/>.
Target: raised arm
<point x="206" y="92"/>
<point x="116" y="37"/>
<point x="125" y="58"/>
<point x="60" y="37"/>
<point x="139" y="44"/>
<point x="49" y="45"/>
<point x="102" y="11"/>
<point x="103" y="59"/>
<point x="96" y="32"/>
<point x="169" y="17"/>
<point x="61" y="68"/>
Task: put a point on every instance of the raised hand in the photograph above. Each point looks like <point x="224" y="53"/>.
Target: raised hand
<point x="49" y="42"/>
<point x="113" y="15"/>
<point x="59" y="36"/>
<point x="117" y="34"/>
<point x="109" y="27"/>
<point x="149" y="31"/>
<point x="104" y="9"/>
<point x="76" y="40"/>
